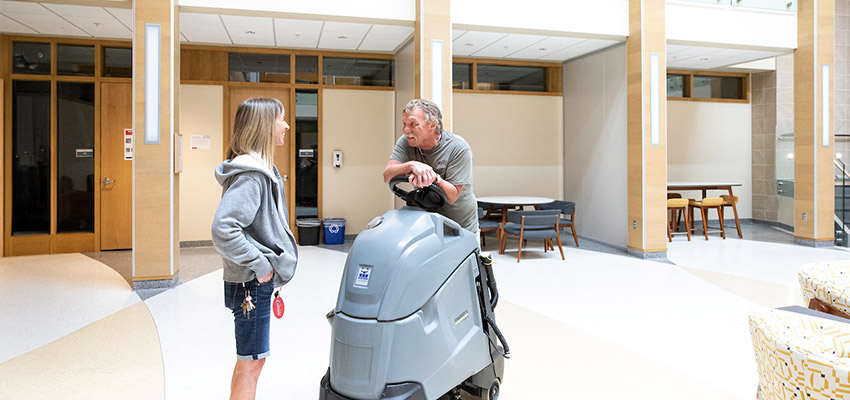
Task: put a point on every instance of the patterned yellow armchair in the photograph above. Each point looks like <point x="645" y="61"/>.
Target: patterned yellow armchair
<point x="826" y="286"/>
<point x="800" y="356"/>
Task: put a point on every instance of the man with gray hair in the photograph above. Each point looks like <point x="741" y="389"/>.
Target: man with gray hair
<point x="431" y="155"/>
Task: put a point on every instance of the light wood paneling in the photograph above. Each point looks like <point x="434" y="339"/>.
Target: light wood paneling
<point x="203" y="65"/>
<point x="647" y="175"/>
<point x="2" y="165"/>
<point x="813" y="167"/>
<point x="155" y="230"/>
<point x="433" y="22"/>
<point x="73" y="243"/>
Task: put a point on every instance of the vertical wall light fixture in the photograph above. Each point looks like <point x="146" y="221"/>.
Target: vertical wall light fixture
<point x="654" y="100"/>
<point x="825" y="134"/>
<point x="152" y="44"/>
<point x="437" y="72"/>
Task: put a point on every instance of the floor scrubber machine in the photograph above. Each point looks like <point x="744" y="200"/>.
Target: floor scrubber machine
<point x="414" y="319"/>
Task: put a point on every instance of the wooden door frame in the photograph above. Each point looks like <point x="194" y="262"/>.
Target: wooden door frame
<point x="53" y="241"/>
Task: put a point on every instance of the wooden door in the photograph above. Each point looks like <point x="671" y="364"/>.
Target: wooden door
<point x="282" y="156"/>
<point x="116" y="183"/>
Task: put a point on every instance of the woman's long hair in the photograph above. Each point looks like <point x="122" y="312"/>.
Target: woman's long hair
<point x="254" y="129"/>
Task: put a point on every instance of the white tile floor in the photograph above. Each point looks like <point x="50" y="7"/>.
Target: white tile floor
<point x="596" y="325"/>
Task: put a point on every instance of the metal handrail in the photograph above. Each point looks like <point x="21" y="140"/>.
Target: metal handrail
<point x="841" y="211"/>
<point x="841" y="167"/>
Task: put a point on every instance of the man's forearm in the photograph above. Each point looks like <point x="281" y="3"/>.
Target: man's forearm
<point x="393" y="170"/>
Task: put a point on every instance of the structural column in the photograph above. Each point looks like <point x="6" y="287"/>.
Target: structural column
<point x="156" y="71"/>
<point x="647" y="129"/>
<point x="814" y="193"/>
<point x="433" y="59"/>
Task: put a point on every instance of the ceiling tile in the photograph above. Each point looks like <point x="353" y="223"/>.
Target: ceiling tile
<point x="125" y="15"/>
<point x="579" y="49"/>
<point x="39" y="18"/>
<point x="456" y="34"/>
<point x="385" y="37"/>
<point x="203" y="28"/>
<point x="96" y="21"/>
<point x="8" y="25"/>
<point x="342" y="35"/>
<point x="297" y="32"/>
<point x="545" y="47"/>
<point x="685" y="53"/>
<point x="509" y="44"/>
<point x="251" y="31"/>
<point x="473" y="41"/>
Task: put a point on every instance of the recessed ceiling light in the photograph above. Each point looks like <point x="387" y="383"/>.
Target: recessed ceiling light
<point x="343" y="37"/>
<point x="250" y="32"/>
<point x="469" y="44"/>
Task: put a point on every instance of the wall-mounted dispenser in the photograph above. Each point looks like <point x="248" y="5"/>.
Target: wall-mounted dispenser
<point x="337" y="158"/>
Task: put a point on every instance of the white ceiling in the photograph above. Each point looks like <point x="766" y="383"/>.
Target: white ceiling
<point x="116" y="23"/>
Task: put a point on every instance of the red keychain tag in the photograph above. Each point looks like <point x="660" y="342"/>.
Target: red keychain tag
<point x="277" y="305"/>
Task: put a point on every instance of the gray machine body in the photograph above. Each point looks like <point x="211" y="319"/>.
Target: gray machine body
<point x="408" y="309"/>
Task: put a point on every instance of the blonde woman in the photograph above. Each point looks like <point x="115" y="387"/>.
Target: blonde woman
<point x="251" y="232"/>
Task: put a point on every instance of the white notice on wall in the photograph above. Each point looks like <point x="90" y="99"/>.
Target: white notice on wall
<point x="200" y="142"/>
<point x="128" y="144"/>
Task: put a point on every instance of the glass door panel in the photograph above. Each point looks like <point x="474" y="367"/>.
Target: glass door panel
<point x="30" y="157"/>
<point x="75" y="157"/>
<point x="307" y="151"/>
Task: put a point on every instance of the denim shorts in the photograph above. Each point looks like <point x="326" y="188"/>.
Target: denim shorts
<point x="252" y="332"/>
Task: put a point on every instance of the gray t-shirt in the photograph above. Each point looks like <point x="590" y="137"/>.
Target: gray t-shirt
<point x="451" y="158"/>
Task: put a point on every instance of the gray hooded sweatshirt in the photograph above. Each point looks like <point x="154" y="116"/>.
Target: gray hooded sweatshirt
<point x="250" y="228"/>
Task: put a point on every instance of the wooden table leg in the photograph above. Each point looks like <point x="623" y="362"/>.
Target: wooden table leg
<point x="502" y="237"/>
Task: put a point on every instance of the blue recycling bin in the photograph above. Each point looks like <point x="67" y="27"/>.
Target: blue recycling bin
<point x="334" y="230"/>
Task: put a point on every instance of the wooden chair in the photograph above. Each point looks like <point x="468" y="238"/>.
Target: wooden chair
<point x="704" y="205"/>
<point x="487" y="225"/>
<point x="566" y="208"/>
<point x="532" y="224"/>
<point x="674" y="206"/>
<point x="730" y="201"/>
<point x="678" y="215"/>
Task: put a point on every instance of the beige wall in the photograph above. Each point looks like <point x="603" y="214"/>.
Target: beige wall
<point x="516" y="141"/>
<point x="201" y="113"/>
<point x="405" y="90"/>
<point x="360" y="123"/>
<point x="711" y="142"/>
<point x="595" y="172"/>
<point x="405" y="82"/>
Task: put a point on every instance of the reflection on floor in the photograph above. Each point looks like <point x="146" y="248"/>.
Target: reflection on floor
<point x="596" y="325"/>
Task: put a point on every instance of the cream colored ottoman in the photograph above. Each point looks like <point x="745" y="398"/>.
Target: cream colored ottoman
<point x="799" y="356"/>
<point x="826" y="286"/>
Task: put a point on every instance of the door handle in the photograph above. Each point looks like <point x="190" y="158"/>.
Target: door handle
<point x="286" y="178"/>
<point x="107" y="181"/>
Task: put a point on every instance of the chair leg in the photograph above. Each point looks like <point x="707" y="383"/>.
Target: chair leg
<point x="679" y="214"/>
<point x="737" y="223"/>
<point x="561" y="248"/>
<point x="502" y="235"/>
<point x="690" y="217"/>
<point x="688" y="227"/>
<point x="722" y="228"/>
<point x="669" y="235"/>
<point x="703" y="213"/>
<point x="519" y="251"/>
<point x="545" y="245"/>
<point x="573" y="228"/>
